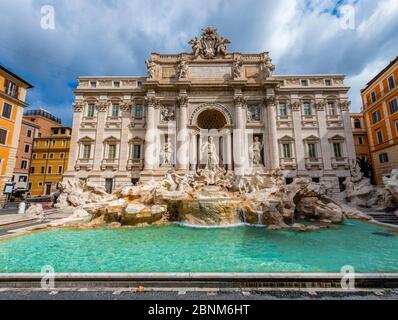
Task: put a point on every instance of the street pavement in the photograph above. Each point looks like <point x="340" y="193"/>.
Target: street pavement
<point x="118" y="294"/>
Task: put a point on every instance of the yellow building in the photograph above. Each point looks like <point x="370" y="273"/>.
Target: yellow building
<point x="12" y="102"/>
<point x="49" y="161"/>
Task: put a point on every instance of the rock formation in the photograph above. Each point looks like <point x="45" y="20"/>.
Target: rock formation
<point x="221" y="199"/>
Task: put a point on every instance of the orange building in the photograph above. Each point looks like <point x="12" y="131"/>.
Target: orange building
<point x="380" y="111"/>
<point x="35" y="124"/>
<point x="12" y="102"/>
<point x="360" y="136"/>
<point x="20" y="177"/>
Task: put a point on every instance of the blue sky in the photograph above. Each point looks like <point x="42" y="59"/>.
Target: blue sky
<point x="114" y="37"/>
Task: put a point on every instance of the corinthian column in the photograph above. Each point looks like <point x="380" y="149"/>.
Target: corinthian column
<point x="240" y="154"/>
<point x="273" y="135"/>
<point x="74" y="148"/>
<point x="151" y="147"/>
<point x="102" y="108"/>
<point x="182" y="162"/>
<point x="345" y="108"/>
<point x="124" y="147"/>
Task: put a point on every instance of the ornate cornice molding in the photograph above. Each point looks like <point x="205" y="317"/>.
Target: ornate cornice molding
<point x="345" y="105"/>
<point x="152" y="102"/>
<point x="78" y="106"/>
<point x="240" y="101"/>
<point x="126" y="106"/>
<point x="269" y="101"/>
<point x="182" y="101"/>
<point x="296" y="105"/>
<point x="320" y="105"/>
<point x="102" y="106"/>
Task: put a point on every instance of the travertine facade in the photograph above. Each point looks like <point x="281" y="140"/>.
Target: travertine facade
<point x="130" y="128"/>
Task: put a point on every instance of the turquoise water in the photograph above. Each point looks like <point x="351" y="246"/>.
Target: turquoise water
<point x="174" y="248"/>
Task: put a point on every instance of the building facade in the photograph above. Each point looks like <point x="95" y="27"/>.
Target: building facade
<point x="130" y="128"/>
<point x="49" y="161"/>
<point x="35" y="124"/>
<point x="380" y="106"/>
<point x="12" y="102"/>
<point x="29" y="131"/>
<point x="360" y="135"/>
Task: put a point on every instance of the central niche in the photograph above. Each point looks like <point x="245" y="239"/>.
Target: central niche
<point x="211" y="119"/>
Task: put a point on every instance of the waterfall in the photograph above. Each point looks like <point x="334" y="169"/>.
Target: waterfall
<point x="260" y="214"/>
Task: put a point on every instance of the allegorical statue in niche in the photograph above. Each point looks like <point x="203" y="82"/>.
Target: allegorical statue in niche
<point x="237" y="68"/>
<point x="151" y="66"/>
<point x="269" y="68"/>
<point x="167" y="113"/>
<point x="167" y="152"/>
<point x="196" y="47"/>
<point x="209" y="149"/>
<point x="182" y="70"/>
<point x="255" y="151"/>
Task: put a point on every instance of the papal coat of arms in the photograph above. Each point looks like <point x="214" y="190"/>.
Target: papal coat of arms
<point x="210" y="45"/>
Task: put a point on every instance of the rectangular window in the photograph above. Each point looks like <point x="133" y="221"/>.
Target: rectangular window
<point x="60" y="169"/>
<point x="47" y="143"/>
<point x="7" y="110"/>
<point x="23" y="179"/>
<point x="282" y="109"/>
<point x="115" y="110"/>
<point x="43" y="169"/>
<point x="328" y="83"/>
<point x="116" y="84"/>
<point x="391" y="82"/>
<point x="51" y="155"/>
<point x="53" y="143"/>
<point x="93" y="84"/>
<point x="50" y="169"/>
<point x="44" y="155"/>
<point x="27" y="148"/>
<point x="63" y="142"/>
<point x="62" y="155"/>
<point x="24" y="164"/>
<point x="63" y="131"/>
<point x="393" y="106"/>
<point x="360" y="140"/>
<point x="29" y="185"/>
<point x="286" y="150"/>
<point x="337" y="150"/>
<point x="312" y="150"/>
<point x="383" y="157"/>
<point x="29" y="133"/>
<point x="307" y="108"/>
<point x="136" y="151"/>
<point x="3" y="136"/>
<point x="379" y="134"/>
<point x="332" y="109"/>
<point x="86" y="151"/>
<point x="304" y="83"/>
<point x="376" y="117"/>
<point x="138" y="112"/>
<point x="56" y="131"/>
<point x="112" y="151"/>
<point x="12" y="89"/>
<point x="32" y="170"/>
<point x="90" y="110"/>
<point x="373" y="95"/>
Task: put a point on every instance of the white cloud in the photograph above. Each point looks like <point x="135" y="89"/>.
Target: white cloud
<point x="108" y="37"/>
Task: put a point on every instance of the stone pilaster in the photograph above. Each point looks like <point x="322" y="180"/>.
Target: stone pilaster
<point x="240" y="156"/>
<point x="151" y="148"/>
<point x="350" y="145"/>
<point x="272" y="131"/>
<point x="298" y="137"/>
<point x="78" y="108"/>
<point x="193" y="151"/>
<point x="124" y="137"/>
<point x="102" y="108"/>
<point x="182" y="162"/>
<point x="323" y="134"/>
